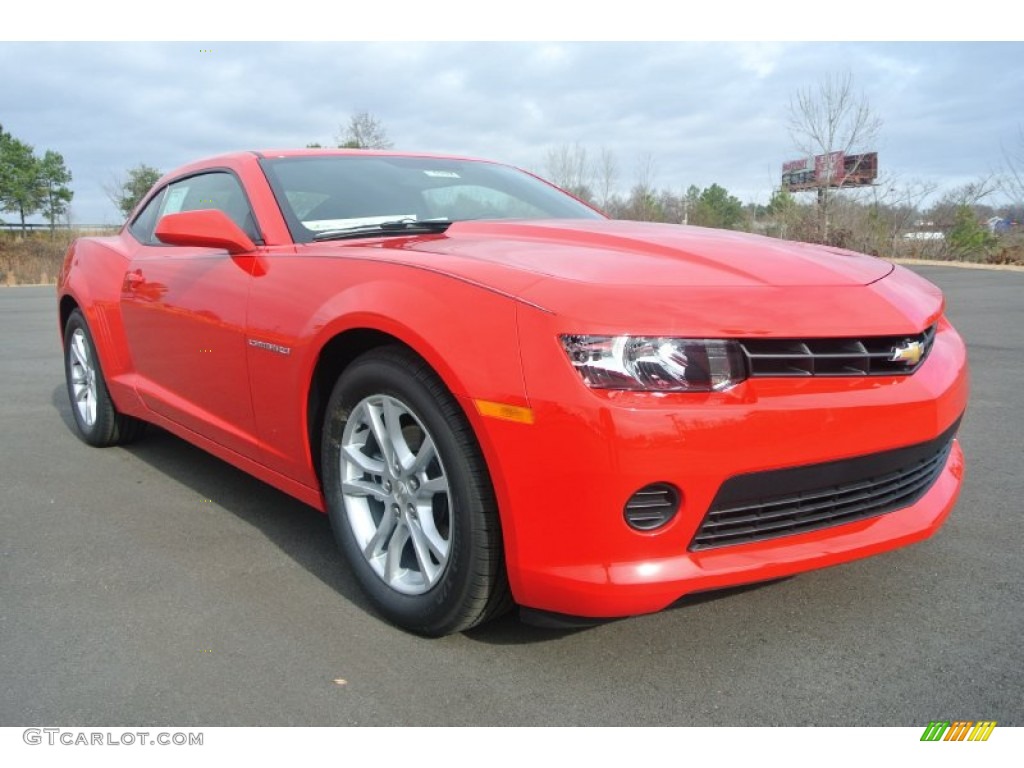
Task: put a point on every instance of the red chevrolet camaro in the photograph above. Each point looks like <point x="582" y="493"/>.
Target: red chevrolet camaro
<point x="500" y="396"/>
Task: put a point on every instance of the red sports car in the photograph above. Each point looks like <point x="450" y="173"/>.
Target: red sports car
<point x="500" y="396"/>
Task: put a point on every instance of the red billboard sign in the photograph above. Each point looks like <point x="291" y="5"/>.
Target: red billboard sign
<point x="834" y="169"/>
<point x="828" y="168"/>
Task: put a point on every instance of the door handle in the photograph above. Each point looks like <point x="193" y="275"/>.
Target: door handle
<point x="132" y="280"/>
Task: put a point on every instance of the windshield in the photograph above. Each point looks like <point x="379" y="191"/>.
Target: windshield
<point x="321" y="194"/>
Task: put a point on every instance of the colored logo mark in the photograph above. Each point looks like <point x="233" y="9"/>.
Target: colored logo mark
<point x="909" y="352"/>
<point x="959" y="730"/>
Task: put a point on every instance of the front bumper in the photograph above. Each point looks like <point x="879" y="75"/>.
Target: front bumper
<point x="563" y="481"/>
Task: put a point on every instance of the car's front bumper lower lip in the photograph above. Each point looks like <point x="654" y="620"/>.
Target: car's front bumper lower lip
<point x="629" y="588"/>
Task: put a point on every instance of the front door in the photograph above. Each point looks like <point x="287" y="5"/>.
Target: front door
<point x="184" y="311"/>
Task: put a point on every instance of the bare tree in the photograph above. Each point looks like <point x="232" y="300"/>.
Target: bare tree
<point x="970" y="194"/>
<point x="1013" y="178"/>
<point x="827" y="118"/>
<point x="645" y="172"/>
<point x="643" y="204"/>
<point x="893" y="208"/>
<point x="566" y="166"/>
<point x="364" y="131"/>
<point x="607" y="177"/>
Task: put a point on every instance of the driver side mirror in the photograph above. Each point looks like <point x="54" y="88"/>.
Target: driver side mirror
<point x="203" y="229"/>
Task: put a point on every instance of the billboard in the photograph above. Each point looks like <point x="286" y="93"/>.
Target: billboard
<point x="834" y="169"/>
<point x="798" y="174"/>
<point x="860" y="170"/>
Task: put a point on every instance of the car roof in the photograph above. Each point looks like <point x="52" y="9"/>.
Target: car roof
<point x="324" y="151"/>
<point x="229" y="159"/>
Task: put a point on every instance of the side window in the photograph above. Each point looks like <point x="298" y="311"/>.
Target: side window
<point x="145" y="222"/>
<point x="208" y="191"/>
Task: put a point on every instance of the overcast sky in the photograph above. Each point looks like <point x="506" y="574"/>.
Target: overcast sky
<point x="705" y="112"/>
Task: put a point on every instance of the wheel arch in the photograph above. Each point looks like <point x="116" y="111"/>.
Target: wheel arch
<point x="359" y="335"/>
<point x="66" y="306"/>
<point x="95" y="290"/>
<point x="336" y="354"/>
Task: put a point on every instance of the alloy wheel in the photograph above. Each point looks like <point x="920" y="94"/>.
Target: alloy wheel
<point x="396" y="494"/>
<point x="83" y="377"/>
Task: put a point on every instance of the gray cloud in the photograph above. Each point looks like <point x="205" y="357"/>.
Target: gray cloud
<point x="706" y="112"/>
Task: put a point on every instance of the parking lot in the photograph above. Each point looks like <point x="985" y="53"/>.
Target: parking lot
<point x="156" y="584"/>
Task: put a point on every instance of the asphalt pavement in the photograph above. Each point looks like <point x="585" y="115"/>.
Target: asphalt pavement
<point x="154" y="584"/>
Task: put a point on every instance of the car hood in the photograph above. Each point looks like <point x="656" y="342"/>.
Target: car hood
<point x="645" y="254"/>
<point x="615" y="276"/>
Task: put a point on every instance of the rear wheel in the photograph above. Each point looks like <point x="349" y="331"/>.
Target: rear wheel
<point x="409" y="496"/>
<point x="95" y="416"/>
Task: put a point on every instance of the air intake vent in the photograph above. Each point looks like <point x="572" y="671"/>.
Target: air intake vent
<point x="867" y="356"/>
<point x="765" y="505"/>
<point x="652" y="506"/>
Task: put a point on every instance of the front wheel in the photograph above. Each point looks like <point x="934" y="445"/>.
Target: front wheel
<point x="409" y="496"/>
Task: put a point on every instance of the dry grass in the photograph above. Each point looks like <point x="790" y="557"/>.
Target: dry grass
<point x="35" y="258"/>
<point x="1009" y="251"/>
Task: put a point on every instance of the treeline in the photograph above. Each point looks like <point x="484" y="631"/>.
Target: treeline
<point x="888" y="219"/>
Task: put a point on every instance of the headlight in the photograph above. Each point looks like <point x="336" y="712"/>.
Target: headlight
<point x="656" y="363"/>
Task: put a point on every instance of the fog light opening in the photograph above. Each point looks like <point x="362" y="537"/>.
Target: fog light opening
<point x="652" y="507"/>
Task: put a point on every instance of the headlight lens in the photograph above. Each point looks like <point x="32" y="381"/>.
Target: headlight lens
<point x="656" y="363"/>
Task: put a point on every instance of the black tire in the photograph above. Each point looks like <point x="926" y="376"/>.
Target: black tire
<point x="96" y="418"/>
<point x="439" y="497"/>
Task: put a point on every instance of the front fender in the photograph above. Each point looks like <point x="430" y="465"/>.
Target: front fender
<point x="301" y="305"/>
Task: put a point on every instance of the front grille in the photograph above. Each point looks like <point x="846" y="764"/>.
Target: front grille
<point x="765" y="505"/>
<point x="868" y="356"/>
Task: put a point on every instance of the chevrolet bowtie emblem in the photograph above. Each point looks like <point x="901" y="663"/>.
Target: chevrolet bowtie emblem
<point x="909" y="352"/>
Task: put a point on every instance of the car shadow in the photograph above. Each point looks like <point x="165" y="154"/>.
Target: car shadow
<point x="301" y="532"/>
<point x="304" y="534"/>
<point x="510" y="630"/>
<point x="59" y="400"/>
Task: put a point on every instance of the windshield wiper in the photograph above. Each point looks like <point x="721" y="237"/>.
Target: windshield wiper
<point x="395" y="227"/>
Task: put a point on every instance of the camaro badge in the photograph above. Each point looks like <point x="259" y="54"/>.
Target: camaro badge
<point x="909" y="352"/>
<point x="272" y="347"/>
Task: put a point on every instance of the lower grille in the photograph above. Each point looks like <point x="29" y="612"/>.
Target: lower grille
<point x="766" y="505"/>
